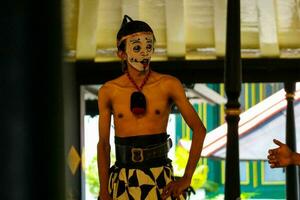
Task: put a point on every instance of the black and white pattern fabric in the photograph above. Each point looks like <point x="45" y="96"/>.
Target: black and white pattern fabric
<point x="140" y="184"/>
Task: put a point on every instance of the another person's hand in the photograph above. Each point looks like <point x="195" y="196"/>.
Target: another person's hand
<point x="281" y="156"/>
<point x="176" y="188"/>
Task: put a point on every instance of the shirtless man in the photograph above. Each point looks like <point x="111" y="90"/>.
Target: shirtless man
<point x="140" y="101"/>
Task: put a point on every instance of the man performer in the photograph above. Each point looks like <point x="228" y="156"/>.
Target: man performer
<point x="140" y="101"/>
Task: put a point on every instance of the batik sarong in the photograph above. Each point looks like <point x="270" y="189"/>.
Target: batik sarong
<point x="140" y="181"/>
<point x="140" y="184"/>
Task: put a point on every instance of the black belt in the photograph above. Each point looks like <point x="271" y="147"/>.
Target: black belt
<point x="129" y="154"/>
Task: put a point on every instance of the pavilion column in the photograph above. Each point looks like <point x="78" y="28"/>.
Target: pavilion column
<point x="31" y="109"/>
<point x="292" y="185"/>
<point x="232" y="78"/>
<point x="72" y="129"/>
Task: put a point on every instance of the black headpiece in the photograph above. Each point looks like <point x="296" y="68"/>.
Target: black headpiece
<point x="130" y="26"/>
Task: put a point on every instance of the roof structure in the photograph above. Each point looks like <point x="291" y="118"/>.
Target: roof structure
<point x="258" y="126"/>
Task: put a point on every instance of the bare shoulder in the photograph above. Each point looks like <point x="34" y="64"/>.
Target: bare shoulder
<point x="105" y="88"/>
<point x="112" y="85"/>
<point x="108" y="90"/>
<point x="171" y="85"/>
<point x="166" y="79"/>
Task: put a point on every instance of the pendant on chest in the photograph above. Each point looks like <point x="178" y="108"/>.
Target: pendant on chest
<point x="138" y="103"/>
<point x="137" y="99"/>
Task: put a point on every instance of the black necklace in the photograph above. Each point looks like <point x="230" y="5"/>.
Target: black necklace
<point x="138" y="99"/>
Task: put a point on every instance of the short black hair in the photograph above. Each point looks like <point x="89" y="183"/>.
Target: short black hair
<point x="130" y="26"/>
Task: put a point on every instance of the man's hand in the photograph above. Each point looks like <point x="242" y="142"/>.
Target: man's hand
<point x="104" y="196"/>
<point x="281" y="156"/>
<point x="175" y="188"/>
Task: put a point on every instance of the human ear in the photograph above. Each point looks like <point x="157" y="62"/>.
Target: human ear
<point x="122" y="55"/>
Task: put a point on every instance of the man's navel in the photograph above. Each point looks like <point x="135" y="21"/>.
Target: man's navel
<point x="157" y="112"/>
<point x="120" y="115"/>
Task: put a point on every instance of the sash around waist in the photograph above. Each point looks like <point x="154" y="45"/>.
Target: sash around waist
<point x="142" y="140"/>
<point x="141" y="151"/>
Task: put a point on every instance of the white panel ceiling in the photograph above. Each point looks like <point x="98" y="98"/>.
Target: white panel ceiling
<point x="194" y="29"/>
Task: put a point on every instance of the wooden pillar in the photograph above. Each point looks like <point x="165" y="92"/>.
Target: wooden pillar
<point x="232" y="77"/>
<point x="292" y="185"/>
<point x="31" y="117"/>
<point x="72" y="122"/>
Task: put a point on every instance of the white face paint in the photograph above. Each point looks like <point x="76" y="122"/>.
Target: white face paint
<point x="139" y="49"/>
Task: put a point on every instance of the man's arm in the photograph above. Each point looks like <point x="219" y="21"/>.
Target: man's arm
<point x="103" y="147"/>
<point x="190" y="116"/>
<point x="282" y="156"/>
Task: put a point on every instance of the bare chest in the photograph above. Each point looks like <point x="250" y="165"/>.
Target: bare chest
<point x="157" y="103"/>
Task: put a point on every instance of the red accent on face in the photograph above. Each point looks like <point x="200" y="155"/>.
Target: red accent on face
<point x="138" y="111"/>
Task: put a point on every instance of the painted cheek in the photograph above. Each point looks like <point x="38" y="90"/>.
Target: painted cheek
<point x="138" y="57"/>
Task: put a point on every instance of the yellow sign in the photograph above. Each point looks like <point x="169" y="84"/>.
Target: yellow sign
<point x="73" y="160"/>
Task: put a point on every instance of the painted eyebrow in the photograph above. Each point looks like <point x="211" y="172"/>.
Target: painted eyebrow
<point x="149" y="40"/>
<point x="133" y="41"/>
